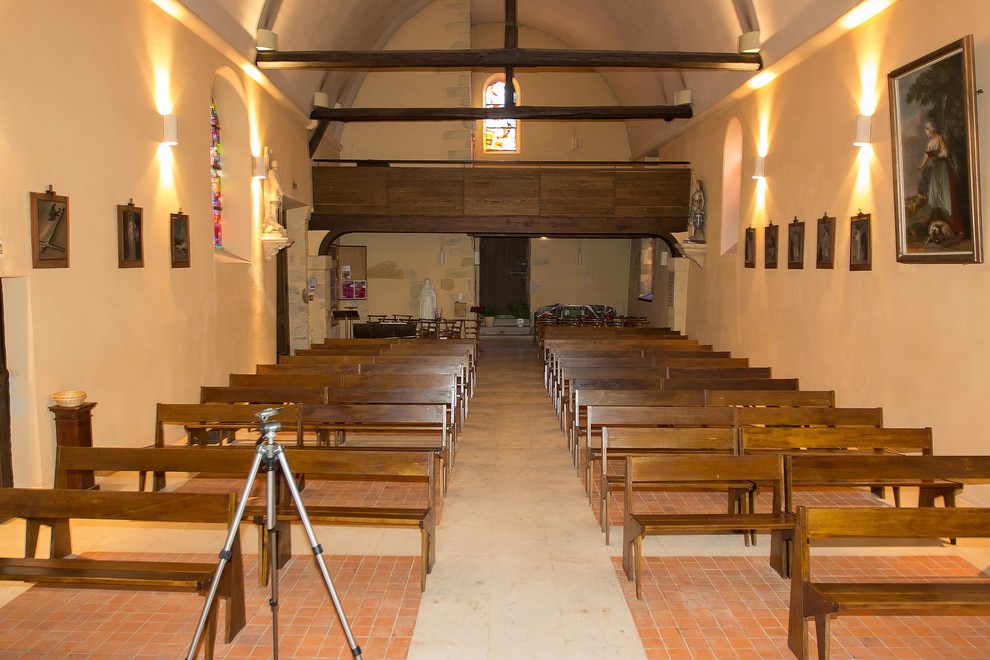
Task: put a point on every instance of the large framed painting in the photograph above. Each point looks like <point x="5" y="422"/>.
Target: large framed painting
<point x="936" y="161"/>
<point x="647" y="251"/>
<point x="49" y="230"/>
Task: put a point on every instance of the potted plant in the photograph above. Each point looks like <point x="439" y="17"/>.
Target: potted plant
<point x="520" y="311"/>
<point x="487" y="314"/>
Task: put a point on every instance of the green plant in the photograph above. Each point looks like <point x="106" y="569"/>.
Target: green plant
<point x="519" y="310"/>
<point x="488" y="312"/>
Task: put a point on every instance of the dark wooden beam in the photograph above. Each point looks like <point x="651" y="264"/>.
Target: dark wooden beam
<point x="600" y="227"/>
<point x="317" y="137"/>
<point x="580" y="113"/>
<point x="499" y="58"/>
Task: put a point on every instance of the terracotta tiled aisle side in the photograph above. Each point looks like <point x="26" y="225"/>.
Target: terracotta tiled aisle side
<point x="522" y="570"/>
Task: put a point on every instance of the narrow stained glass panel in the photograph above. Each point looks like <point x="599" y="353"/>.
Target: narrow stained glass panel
<point x="216" y="167"/>
<point x="501" y="135"/>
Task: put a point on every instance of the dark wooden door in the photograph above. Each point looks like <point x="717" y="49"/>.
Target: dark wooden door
<point x="6" y="465"/>
<point x="504" y="273"/>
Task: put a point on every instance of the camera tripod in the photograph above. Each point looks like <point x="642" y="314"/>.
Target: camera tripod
<point x="269" y="453"/>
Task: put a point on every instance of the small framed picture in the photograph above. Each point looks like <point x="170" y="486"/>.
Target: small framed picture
<point x="49" y="230"/>
<point x="749" y="248"/>
<point x="825" y="250"/>
<point x="860" y="246"/>
<point x="795" y="244"/>
<point x="770" y="245"/>
<point x="179" y="239"/>
<point x="130" y="236"/>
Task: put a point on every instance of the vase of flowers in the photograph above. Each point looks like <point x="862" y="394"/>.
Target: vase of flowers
<point x="487" y="316"/>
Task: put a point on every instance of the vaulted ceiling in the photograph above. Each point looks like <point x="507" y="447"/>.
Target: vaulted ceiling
<point x="584" y="25"/>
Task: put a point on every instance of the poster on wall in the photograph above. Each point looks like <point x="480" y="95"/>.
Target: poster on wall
<point x="647" y="250"/>
<point x="936" y="161"/>
<point x="354" y="289"/>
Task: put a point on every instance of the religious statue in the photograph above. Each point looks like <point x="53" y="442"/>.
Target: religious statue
<point x="275" y="195"/>
<point x="697" y="213"/>
<point x="427" y="301"/>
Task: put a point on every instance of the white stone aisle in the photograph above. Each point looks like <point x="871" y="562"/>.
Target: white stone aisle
<point x="522" y="569"/>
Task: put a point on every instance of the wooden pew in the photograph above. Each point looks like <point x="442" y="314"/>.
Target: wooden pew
<point x="63" y="570"/>
<point x="618" y="443"/>
<point x="199" y="418"/>
<point x="702" y="370"/>
<point x="811" y="598"/>
<point x="718" y="471"/>
<point x="861" y="440"/>
<point x="285" y="380"/>
<point x="410" y="381"/>
<point x="790" y="398"/>
<point x="261" y="394"/>
<point x="333" y="359"/>
<point x="309" y="368"/>
<point x="343" y="464"/>
<point x="412" y="427"/>
<point x="425" y="368"/>
<point x="443" y="396"/>
<point x="651" y="416"/>
<point x="685" y="383"/>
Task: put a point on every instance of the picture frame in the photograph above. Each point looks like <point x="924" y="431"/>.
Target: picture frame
<point x="936" y="157"/>
<point x="49" y="229"/>
<point x="795" y="244"/>
<point x="749" y="248"/>
<point x="130" y="236"/>
<point x="825" y="244"/>
<point x="860" y="242"/>
<point x="647" y="253"/>
<point x="771" y="245"/>
<point x="178" y="224"/>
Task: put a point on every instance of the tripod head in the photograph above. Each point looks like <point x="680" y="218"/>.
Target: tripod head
<point x="269" y="429"/>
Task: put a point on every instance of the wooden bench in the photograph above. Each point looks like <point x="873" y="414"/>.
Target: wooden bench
<point x="619" y="442"/>
<point x="410" y="381"/>
<point x="59" y="506"/>
<point x="715" y="383"/>
<point x="811" y="598"/>
<point x="343" y="464"/>
<point x="770" y="398"/>
<point x="718" y="471"/>
<point x="412" y="427"/>
<point x="262" y="394"/>
<point x="651" y="416"/>
<point x="442" y="396"/>
<point x="285" y="380"/>
<point x="701" y="370"/>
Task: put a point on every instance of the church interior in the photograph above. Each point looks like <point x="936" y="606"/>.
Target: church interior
<point x="207" y="189"/>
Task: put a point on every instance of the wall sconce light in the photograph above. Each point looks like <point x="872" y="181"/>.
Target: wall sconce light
<point x="266" y="40"/>
<point x="749" y="42"/>
<point x="760" y="167"/>
<point x="321" y="100"/>
<point x="259" y="169"/>
<point x="863" y="128"/>
<point x="683" y="97"/>
<point x="170" y="130"/>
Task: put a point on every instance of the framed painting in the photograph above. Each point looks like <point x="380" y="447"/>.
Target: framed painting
<point x="770" y="245"/>
<point x="936" y="157"/>
<point x="860" y="243"/>
<point x="749" y="248"/>
<point x="49" y="230"/>
<point x="130" y="236"/>
<point x="647" y="252"/>
<point x="179" y="239"/>
<point x="795" y="244"/>
<point x="825" y="246"/>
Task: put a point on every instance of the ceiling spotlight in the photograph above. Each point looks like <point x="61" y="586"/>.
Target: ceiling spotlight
<point x="749" y="42"/>
<point x="267" y="40"/>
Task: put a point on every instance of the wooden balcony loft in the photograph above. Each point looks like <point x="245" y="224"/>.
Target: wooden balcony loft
<point x="526" y="200"/>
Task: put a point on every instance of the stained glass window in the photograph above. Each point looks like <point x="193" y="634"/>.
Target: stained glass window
<point x="216" y="152"/>
<point x="501" y="135"/>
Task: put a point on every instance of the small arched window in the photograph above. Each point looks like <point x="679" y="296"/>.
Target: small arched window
<point x="501" y="135"/>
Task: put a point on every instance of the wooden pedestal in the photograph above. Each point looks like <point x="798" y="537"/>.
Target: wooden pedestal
<point x="73" y="428"/>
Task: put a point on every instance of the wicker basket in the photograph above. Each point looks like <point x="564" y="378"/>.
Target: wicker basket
<point x="69" y="398"/>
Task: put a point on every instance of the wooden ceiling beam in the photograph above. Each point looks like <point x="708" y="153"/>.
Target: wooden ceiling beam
<point x="555" y="113"/>
<point x="500" y="58"/>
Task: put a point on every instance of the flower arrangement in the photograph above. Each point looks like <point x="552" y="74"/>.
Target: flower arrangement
<point x="482" y="310"/>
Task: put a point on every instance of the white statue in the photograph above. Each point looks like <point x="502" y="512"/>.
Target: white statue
<point x="427" y="301"/>
<point x="275" y="195"/>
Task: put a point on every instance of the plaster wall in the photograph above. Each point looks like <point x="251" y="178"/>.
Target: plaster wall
<point x="600" y="278"/>
<point x="84" y="117"/>
<point x="907" y="337"/>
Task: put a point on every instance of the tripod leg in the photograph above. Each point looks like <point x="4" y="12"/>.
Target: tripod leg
<point x="225" y="553"/>
<point x="273" y="554"/>
<point x="318" y="554"/>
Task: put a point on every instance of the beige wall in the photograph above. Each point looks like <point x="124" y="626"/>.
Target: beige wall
<point x="557" y="277"/>
<point x="909" y="338"/>
<point x="81" y="112"/>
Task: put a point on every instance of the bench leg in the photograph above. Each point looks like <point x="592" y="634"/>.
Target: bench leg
<point x="822" y="632"/>
<point x="638" y="565"/>
<point x="210" y="632"/>
<point x="781" y="542"/>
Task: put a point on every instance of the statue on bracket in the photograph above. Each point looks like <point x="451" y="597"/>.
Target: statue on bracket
<point x="696" y="213"/>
